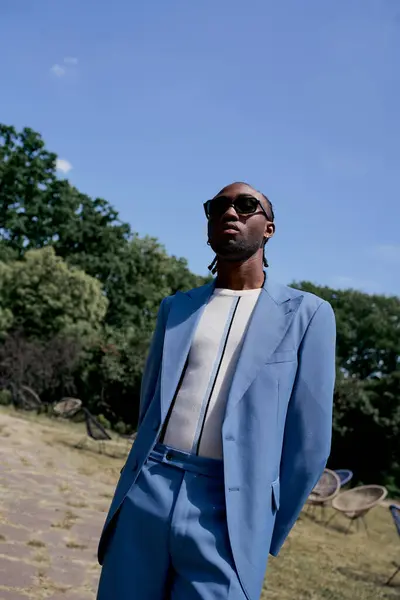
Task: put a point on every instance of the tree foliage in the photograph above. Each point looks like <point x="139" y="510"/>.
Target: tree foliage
<point x="48" y="226"/>
<point x="46" y="366"/>
<point x="46" y="297"/>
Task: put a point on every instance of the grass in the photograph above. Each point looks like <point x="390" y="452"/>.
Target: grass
<point x="67" y="521"/>
<point x="75" y="545"/>
<point x="321" y="562"/>
<point x="36" y="544"/>
<point x="76" y="503"/>
<point x="4" y="431"/>
<point x="318" y="562"/>
<point x="41" y="557"/>
<point x="64" y="487"/>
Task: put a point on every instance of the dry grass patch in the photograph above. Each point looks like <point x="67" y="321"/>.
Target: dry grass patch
<point x="77" y="503"/>
<point x="4" y="431"/>
<point x="41" y="557"/>
<point x="107" y="495"/>
<point x="86" y="470"/>
<point x="64" y="487"/>
<point x="75" y="545"/>
<point x="316" y="563"/>
<point x="47" y="586"/>
<point x="323" y="563"/>
<point x="36" y="544"/>
<point x="67" y="522"/>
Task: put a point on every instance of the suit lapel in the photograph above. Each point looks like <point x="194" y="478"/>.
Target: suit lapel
<point x="270" y="320"/>
<point x="185" y="312"/>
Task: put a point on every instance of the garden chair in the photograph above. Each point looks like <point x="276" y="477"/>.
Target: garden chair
<point x="395" y="510"/>
<point x="325" y="491"/>
<point x="67" y="407"/>
<point x="345" y="476"/>
<point x="25" y="397"/>
<point x="94" y="430"/>
<point x="356" y="503"/>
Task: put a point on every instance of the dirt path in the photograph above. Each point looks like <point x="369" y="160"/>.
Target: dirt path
<point x="53" y="500"/>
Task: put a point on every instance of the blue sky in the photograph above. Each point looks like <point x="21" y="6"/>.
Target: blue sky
<point x="157" y="105"/>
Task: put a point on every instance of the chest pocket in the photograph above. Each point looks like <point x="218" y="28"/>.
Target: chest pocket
<point x="280" y="357"/>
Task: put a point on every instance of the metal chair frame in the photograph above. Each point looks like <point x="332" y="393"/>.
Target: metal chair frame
<point x="395" y="511"/>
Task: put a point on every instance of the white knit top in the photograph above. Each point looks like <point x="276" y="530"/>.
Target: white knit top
<point x="195" y="422"/>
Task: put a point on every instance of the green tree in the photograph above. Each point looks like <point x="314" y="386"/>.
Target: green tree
<point x="37" y="209"/>
<point x="6" y="316"/>
<point x="47" y="297"/>
<point x="368" y="328"/>
<point x="143" y="276"/>
<point x="135" y="290"/>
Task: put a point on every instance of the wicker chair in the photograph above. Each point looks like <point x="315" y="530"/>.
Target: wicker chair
<point x="345" y="476"/>
<point x="395" y="510"/>
<point x="67" y="407"/>
<point x="94" y="430"/>
<point x="354" y="504"/>
<point x="25" y="397"/>
<point x="325" y="491"/>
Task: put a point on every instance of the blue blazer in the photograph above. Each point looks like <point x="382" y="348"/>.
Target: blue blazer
<point x="278" y="421"/>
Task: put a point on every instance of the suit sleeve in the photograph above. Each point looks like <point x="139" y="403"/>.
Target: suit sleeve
<point x="152" y="369"/>
<point x="308" y="427"/>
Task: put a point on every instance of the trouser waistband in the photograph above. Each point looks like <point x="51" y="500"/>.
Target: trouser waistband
<point x="210" y="467"/>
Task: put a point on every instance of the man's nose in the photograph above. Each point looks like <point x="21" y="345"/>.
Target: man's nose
<point x="230" y="214"/>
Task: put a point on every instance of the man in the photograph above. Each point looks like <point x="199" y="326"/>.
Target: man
<point x="234" y="425"/>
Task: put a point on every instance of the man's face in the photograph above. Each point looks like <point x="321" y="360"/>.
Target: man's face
<point x="234" y="236"/>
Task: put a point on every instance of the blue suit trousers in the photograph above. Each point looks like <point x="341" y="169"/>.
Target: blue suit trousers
<point x="170" y="540"/>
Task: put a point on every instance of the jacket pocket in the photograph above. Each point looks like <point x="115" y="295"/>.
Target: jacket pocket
<point x="278" y="357"/>
<point x="276" y="493"/>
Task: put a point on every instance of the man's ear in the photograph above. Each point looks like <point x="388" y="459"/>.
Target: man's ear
<point x="269" y="230"/>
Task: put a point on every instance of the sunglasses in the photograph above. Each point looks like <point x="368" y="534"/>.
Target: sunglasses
<point x="243" y="204"/>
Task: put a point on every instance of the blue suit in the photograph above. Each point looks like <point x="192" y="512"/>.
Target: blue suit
<point x="277" y="427"/>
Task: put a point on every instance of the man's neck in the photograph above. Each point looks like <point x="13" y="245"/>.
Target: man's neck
<point x="248" y="275"/>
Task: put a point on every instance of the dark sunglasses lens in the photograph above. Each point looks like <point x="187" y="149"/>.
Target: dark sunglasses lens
<point x="216" y="207"/>
<point x="246" y="205"/>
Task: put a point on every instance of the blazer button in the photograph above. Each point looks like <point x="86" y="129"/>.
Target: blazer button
<point x="134" y="465"/>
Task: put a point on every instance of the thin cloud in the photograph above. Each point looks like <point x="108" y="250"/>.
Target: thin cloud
<point x="70" y="60"/>
<point x="57" y="70"/>
<point x="63" y="165"/>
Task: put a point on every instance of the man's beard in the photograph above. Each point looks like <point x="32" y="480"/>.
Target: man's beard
<point x="236" y="250"/>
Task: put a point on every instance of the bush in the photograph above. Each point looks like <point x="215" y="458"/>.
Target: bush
<point x="121" y="428"/>
<point x="5" y="397"/>
<point x="103" y="421"/>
